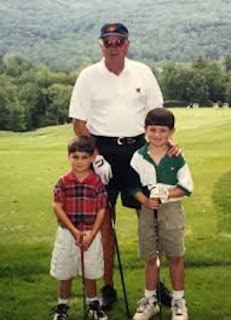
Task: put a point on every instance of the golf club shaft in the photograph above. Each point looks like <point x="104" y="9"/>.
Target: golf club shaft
<point x="83" y="278"/>
<point x="157" y="259"/>
<point x="121" y="270"/>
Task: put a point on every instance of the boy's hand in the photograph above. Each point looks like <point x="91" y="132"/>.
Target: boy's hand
<point x="87" y="240"/>
<point x="152" y="203"/>
<point x="78" y="236"/>
<point x="159" y="191"/>
<point x="102" y="168"/>
<point x="174" y="149"/>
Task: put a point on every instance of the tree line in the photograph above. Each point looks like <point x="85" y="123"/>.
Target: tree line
<point x="203" y="81"/>
<point x="34" y="96"/>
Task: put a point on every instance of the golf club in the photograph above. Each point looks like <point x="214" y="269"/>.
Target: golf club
<point x="83" y="278"/>
<point x="157" y="259"/>
<point x="120" y="269"/>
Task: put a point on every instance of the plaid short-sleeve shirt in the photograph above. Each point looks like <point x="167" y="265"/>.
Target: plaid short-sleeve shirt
<point x="81" y="200"/>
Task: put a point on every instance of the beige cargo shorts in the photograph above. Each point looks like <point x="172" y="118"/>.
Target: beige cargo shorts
<point x="171" y="231"/>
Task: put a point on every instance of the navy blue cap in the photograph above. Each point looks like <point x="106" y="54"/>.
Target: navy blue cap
<point x="114" y="29"/>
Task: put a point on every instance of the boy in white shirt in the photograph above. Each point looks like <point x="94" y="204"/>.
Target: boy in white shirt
<point x="160" y="182"/>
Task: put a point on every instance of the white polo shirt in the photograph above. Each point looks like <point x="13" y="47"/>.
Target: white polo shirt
<point x="112" y="105"/>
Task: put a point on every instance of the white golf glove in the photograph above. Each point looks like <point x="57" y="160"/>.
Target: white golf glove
<point x="102" y="168"/>
<point x="159" y="191"/>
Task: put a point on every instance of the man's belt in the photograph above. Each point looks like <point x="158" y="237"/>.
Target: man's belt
<point x="119" y="140"/>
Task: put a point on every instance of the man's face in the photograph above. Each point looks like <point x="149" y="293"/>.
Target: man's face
<point x="158" y="136"/>
<point x="114" y="47"/>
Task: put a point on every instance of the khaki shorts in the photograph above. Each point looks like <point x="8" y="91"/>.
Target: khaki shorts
<point x="66" y="257"/>
<point x="171" y="231"/>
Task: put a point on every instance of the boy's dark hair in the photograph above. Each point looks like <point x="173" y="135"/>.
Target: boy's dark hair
<point x="82" y="144"/>
<point x="160" y="117"/>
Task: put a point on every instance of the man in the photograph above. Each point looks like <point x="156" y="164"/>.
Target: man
<point x="110" y="100"/>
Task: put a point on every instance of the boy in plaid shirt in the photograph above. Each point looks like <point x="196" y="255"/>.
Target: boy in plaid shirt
<point x="80" y="201"/>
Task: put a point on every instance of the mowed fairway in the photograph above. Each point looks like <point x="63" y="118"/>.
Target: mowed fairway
<point x="30" y="165"/>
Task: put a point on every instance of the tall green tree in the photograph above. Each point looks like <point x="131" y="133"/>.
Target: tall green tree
<point x="197" y="88"/>
<point x="59" y="98"/>
<point x="12" y="113"/>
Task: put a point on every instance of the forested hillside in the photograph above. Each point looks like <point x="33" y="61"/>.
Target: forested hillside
<point x="34" y="96"/>
<point x="63" y="33"/>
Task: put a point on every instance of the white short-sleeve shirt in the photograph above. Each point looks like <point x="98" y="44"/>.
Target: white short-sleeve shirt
<point x="114" y="105"/>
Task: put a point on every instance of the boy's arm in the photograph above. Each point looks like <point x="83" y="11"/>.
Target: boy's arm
<point x="98" y="222"/>
<point x="154" y="201"/>
<point x="184" y="178"/>
<point x="183" y="188"/>
<point x="176" y="192"/>
<point x="151" y="203"/>
<point x="60" y="213"/>
<point x="88" y="238"/>
<point x="164" y="193"/>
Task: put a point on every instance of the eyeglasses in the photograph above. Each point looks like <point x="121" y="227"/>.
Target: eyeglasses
<point x="113" y="44"/>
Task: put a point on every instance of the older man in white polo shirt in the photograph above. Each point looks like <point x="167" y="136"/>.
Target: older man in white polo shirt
<point x="110" y="100"/>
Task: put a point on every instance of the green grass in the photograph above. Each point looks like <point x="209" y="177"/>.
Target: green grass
<point x="30" y="165"/>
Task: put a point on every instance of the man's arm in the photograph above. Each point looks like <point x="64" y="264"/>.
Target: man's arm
<point x="80" y="127"/>
<point x="155" y="100"/>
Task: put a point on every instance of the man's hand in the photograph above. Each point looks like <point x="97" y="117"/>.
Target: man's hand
<point x="102" y="168"/>
<point x="173" y="149"/>
<point x="159" y="191"/>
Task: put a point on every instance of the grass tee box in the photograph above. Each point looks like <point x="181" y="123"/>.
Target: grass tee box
<point x="30" y="165"/>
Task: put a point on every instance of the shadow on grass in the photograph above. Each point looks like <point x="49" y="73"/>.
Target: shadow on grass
<point x="29" y="261"/>
<point x="24" y="261"/>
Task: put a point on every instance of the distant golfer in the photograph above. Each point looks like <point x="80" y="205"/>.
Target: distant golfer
<point x="80" y="200"/>
<point x="110" y="101"/>
<point x="160" y="182"/>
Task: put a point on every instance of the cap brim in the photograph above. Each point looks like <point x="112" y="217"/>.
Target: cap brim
<point x="114" y="34"/>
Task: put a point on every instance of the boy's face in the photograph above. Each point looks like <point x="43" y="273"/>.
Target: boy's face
<point x="80" y="161"/>
<point x="158" y="136"/>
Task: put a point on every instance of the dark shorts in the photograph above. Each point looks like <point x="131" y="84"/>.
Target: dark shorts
<point x="119" y="153"/>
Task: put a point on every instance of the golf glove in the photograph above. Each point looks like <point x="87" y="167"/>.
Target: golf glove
<point x="159" y="191"/>
<point x="102" y="168"/>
